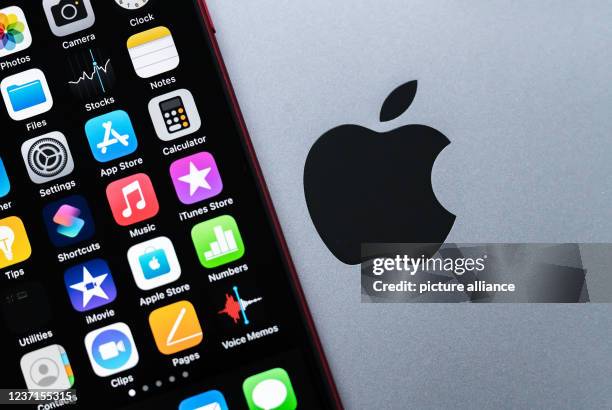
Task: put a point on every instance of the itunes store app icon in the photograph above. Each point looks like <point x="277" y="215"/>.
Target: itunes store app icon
<point x="132" y="199"/>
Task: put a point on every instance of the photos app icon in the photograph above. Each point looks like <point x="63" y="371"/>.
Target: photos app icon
<point x="14" y="31"/>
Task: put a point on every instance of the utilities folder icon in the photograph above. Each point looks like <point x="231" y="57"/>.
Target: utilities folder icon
<point x="153" y="52"/>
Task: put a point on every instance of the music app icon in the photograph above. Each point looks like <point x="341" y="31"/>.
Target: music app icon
<point x="132" y="199"/>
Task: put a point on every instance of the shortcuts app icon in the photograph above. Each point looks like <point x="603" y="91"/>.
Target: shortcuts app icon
<point x="111" y="349"/>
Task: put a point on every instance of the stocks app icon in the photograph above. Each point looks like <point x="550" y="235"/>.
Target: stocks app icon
<point x="90" y="73"/>
<point x="111" y="349"/>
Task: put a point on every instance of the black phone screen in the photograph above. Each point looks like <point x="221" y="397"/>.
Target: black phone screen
<point x="140" y="265"/>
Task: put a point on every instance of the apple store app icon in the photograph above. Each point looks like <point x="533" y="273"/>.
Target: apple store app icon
<point x="47" y="368"/>
<point x="154" y="263"/>
<point x="111" y="349"/>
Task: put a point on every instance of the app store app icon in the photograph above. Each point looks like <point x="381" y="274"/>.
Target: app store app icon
<point x="154" y="263"/>
<point x="111" y="349"/>
<point x="111" y="136"/>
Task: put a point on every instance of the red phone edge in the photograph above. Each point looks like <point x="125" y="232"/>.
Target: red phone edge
<point x="269" y="205"/>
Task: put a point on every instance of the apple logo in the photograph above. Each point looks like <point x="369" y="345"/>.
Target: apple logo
<point x="154" y="263"/>
<point x="362" y="186"/>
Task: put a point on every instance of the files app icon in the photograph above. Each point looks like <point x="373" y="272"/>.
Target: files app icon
<point x="26" y="94"/>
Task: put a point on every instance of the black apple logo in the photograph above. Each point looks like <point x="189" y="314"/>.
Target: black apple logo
<point x="364" y="186"/>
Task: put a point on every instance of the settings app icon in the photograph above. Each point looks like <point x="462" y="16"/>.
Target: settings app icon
<point x="47" y="157"/>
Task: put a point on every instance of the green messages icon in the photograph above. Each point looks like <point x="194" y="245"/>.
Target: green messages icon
<point x="217" y="241"/>
<point x="269" y="390"/>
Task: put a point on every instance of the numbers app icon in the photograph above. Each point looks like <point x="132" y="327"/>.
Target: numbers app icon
<point x="132" y="199"/>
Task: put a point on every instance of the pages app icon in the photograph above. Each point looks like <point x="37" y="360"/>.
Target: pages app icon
<point x="153" y="52"/>
<point x="175" y="327"/>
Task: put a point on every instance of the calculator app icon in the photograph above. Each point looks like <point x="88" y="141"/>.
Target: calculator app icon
<point x="174" y="114"/>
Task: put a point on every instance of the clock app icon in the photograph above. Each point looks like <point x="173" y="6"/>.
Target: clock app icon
<point x="132" y="4"/>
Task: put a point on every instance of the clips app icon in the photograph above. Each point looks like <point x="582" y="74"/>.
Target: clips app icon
<point x="90" y="285"/>
<point x="196" y="178"/>
<point x="26" y="94"/>
<point x="47" y="157"/>
<point x="111" y="136"/>
<point x="111" y="349"/>
<point x="175" y="327"/>
<point x="154" y="263"/>
<point x="47" y="368"/>
<point x="68" y="221"/>
<point x="14" y="243"/>
<point x="132" y="199"/>
<point x="14" y="31"/>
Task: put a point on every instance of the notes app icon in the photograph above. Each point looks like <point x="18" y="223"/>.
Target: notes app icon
<point x="132" y="199"/>
<point x="175" y="327"/>
<point x="153" y="52"/>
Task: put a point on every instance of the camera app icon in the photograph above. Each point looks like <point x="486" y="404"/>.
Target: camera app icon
<point x="111" y="349"/>
<point x="47" y="368"/>
<point x="68" y="16"/>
